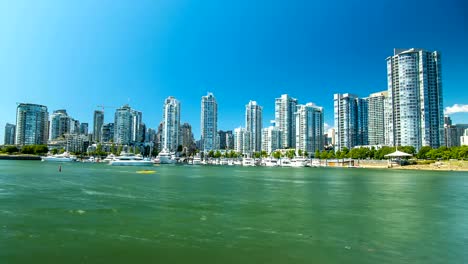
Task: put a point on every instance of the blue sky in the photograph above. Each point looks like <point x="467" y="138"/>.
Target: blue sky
<point x="80" y="54"/>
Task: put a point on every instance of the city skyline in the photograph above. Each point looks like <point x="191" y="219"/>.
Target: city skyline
<point x="186" y="51"/>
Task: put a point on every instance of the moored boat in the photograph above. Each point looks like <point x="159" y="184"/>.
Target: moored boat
<point x="129" y="159"/>
<point x="64" y="157"/>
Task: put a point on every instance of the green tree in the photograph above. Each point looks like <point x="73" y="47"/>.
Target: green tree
<point x="27" y="149"/>
<point x="422" y="153"/>
<point x="264" y="154"/>
<point x="257" y="155"/>
<point x="300" y="152"/>
<point x="217" y="154"/>
<point x="11" y="149"/>
<point x="40" y="149"/>
<point x="291" y="153"/>
<point x="317" y="154"/>
<point x="323" y="155"/>
<point x="119" y="149"/>
<point x="277" y="154"/>
<point x="211" y="154"/>
<point x="331" y="154"/>
<point x="306" y="154"/>
<point x="54" y="151"/>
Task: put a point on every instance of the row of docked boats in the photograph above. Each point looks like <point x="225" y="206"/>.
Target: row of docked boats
<point x="125" y="159"/>
<point x="130" y="159"/>
<point x="267" y="162"/>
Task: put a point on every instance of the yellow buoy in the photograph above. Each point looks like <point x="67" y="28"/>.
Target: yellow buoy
<point x="146" y="172"/>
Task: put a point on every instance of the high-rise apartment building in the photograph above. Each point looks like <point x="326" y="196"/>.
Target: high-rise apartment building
<point x="186" y="136"/>
<point x="84" y="129"/>
<point x="253" y="124"/>
<point x="97" y="125"/>
<point x="171" y="124"/>
<point x="242" y="141"/>
<point x="107" y="132"/>
<point x="309" y="128"/>
<point x="222" y="139"/>
<point x="376" y="118"/>
<point x="32" y="123"/>
<point x="209" y="122"/>
<point x="10" y="131"/>
<point x="60" y="124"/>
<point x="229" y="140"/>
<point x="285" y="109"/>
<point x="351" y="121"/>
<point x="415" y="92"/>
<point x="271" y="139"/>
<point x="123" y="125"/>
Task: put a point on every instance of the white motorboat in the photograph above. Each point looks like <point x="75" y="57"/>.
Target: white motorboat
<point x="315" y="163"/>
<point x="129" y="159"/>
<point x="270" y="162"/>
<point x="196" y="160"/>
<point x="248" y="162"/>
<point x="64" y="157"/>
<point x="109" y="158"/>
<point x="298" y="162"/>
<point x="165" y="157"/>
<point x="285" y="162"/>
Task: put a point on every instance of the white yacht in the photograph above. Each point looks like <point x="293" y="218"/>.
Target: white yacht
<point x="285" y="162"/>
<point x="196" y="160"/>
<point x="129" y="159"/>
<point x="109" y="158"/>
<point x="64" y="157"/>
<point x="165" y="157"/>
<point x="315" y="163"/>
<point x="298" y="162"/>
<point x="270" y="162"/>
<point x="248" y="162"/>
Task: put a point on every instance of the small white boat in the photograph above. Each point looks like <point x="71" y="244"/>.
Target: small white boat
<point x="270" y="162"/>
<point x="298" y="162"/>
<point x="196" y="160"/>
<point x="285" y="162"/>
<point x="129" y="159"/>
<point x="165" y="157"/>
<point x="109" y="158"/>
<point x="64" y="157"/>
<point x="315" y="163"/>
<point x="248" y="162"/>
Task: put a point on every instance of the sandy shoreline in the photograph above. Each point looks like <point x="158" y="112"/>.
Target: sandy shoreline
<point x="436" y="166"/>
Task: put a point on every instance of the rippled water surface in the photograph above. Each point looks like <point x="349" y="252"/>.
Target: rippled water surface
<point x="96" y="213"/>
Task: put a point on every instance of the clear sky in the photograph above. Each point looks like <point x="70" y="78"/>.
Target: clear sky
<point x="80" y="54"/>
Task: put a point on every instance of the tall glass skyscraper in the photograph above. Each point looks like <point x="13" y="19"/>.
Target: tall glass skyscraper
<point x="271" y="139"/>
<point x="285" y="109"/>
<point x="10" y="131"/>
<point x="125" y="128"/>
<point x="97" y="125"/>
<point x="242" y="141"/>
<point x="376" y="117"/>
<point x="253" y="124"/>
<point x="60" y="124"/>
<point x="351" y="121"/>
<point x="415" y="93"/>
<point x="171" y="124"/>
<point x="32" y="122"/>
<point x="309" y="128"/>
<point x="209" y="122"/>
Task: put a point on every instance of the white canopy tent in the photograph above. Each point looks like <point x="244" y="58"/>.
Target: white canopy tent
<point x="397" y="155"/>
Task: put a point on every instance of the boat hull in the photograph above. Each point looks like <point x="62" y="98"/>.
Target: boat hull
<point x="131" y="163"/>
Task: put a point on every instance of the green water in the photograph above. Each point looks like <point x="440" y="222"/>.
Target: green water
<point x="96" y="213"/>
